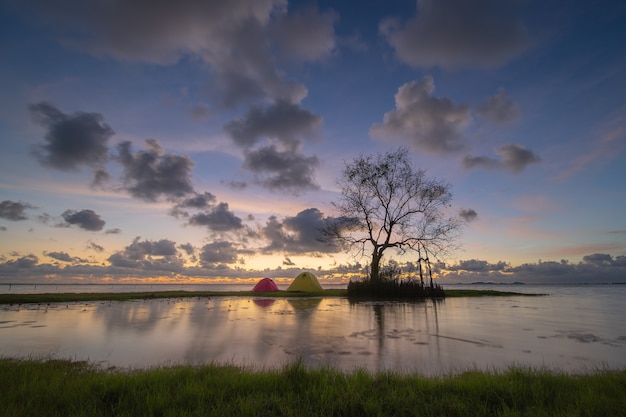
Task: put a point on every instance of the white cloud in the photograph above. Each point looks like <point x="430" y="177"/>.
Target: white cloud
<point x="428" y="123"/>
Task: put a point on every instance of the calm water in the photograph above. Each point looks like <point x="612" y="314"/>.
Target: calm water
<point x="573" y="329"/>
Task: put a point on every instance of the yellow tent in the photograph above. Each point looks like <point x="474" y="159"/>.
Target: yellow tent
<point x="305" y="281"/>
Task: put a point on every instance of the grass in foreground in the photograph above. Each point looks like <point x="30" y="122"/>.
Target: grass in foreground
<point x="64" y="388"/>
<point x="75" y="297"/>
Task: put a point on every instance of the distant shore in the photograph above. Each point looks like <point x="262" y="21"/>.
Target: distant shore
<point x="145" y="295"/>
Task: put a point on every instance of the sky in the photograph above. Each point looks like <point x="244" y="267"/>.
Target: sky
<point x="201" y="141"/>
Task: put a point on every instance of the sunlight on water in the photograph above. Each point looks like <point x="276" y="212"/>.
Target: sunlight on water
<point x="572" y="332"/>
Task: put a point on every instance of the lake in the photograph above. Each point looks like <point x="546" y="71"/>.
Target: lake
<point x="573" y="329"/>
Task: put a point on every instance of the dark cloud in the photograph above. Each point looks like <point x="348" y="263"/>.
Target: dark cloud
<point x="604" y="259"/>
<point x="594" y="268"/>
<point x="188" y="248"/>
<point x="3" y="229"/>
<point x="513" y="158"/>
<point x="287" y="170"/>
<point x="60" y="256"/>
<point x="299" y="234"/>
<point x="199" y="201"/>
<point x="475" y="265"/>
<point x="94" y="246"/>
<point x="114" y="231"/>
<point x="458" y="33"/>
<point x="44" y="218"/>
<point x="150" y="255"/>
<point x="499" y="109"/>
<point x="219" y="253"/>
<point x="100" y="177"/>
<point x="288" y="262"/>
<point x="140" y="249"/>
<point x="468" y="214"/>
<point x="153" y="173"/>
<point x="218" y="219"/>
<point x="24" y="262"/>
<point x="283" y="121"/>
<point x="14" y="210"/>
<point x="85" y="219"/>
<point x="232" y="37"/>
<point x="306" y="35"/>
<point x="72" y="140"/>
<point x="428" y="123"/>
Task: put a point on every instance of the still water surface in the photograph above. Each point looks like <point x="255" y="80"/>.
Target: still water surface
<point x="572" y="329"/>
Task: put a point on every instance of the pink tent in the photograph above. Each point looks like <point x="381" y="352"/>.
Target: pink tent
<point x="265" y="285"/>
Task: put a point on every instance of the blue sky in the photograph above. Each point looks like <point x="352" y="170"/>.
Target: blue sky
<point x="201" y="140"/>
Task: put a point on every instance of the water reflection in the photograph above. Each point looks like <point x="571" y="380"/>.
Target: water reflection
<point x="430" y="337"/>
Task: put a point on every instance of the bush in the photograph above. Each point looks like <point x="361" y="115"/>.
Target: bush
<point x="396" y="289"/>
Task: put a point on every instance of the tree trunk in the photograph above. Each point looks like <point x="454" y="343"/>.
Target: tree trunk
<point x="375" y="267"/>
<point x="430" y="272"/>
<point x="419" y="263"/>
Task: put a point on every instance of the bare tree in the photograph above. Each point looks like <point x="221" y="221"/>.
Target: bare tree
<point x="387" y="203"/>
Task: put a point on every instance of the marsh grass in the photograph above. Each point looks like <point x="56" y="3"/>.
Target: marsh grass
<point x="127" y="296"/>
<point x="393" y="289"/>
<point x="65" y="388"/>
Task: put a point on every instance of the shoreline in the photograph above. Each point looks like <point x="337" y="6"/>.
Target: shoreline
<point x="127" y="296"/>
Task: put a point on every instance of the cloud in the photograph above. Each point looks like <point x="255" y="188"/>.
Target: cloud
<point x="513" y="158"/>
<point x="235" y="185"/>
<point x="219" y="253"/>
<point x="200" y="112"/>
<point x="600" y="259"/>
<point x="428" y="123"/>
<point x="306" y="35"/>
<point x="199" y="201"/>
<point x="14" y="210"/>
<point x="153" y="173"/>
<point x="288" y="262"/>
<point x="287" y="170"/>
<point x="594" y="268"/>
<point x="232" y="37"/>
<point x="94" y="246"/>
<point x="499" y="109"/>
<point x="114" y="231"/>
<point x="458" y="34"/>
<point x="100" y="177"/>
<point x="468" y="215"/>
<point x="218" y="219"/>
<point x="85" y="219"/>
<point x="24" y="262"/>
<point x="188" y="248"/>
<point x="299" y="234"/>
<point x="63" y="257"/>
<point x="72" y="140"/>
<point x="475" y="265"/>
<point x="283" y="121"/>
<point x="148" y="255"/>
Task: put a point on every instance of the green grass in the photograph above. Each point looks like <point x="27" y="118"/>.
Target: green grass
<point x="115" y="296"/>
<point x="75" y="297"/>
<point x="64" y="388"/>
